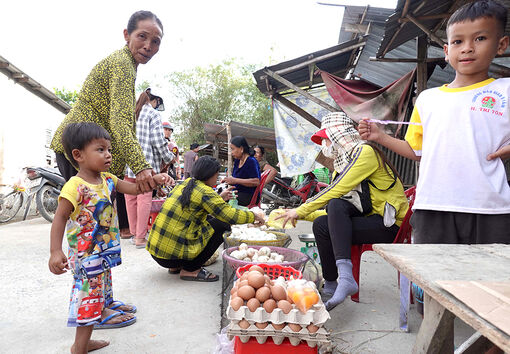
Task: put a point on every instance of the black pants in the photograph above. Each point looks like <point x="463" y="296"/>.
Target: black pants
<point x="431" y="226"/>
<point x="244" y="198"/>
<point x="345" y="226"/>
<point x="191" y="265"/>
<point x="67" y="171"/>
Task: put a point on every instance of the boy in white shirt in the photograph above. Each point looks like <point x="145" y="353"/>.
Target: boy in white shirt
<point x="462" y="135"/>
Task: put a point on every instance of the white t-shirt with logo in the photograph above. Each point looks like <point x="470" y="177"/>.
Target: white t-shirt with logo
<point x="460" y="127"/>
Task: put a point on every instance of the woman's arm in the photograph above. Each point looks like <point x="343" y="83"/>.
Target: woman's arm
<point x="126" y="187"/>
<point x="248" y="182"/>
<point x="157" y="139"/>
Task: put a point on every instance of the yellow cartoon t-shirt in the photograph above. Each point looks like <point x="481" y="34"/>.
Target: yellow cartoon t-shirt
<point x="92" y="229"/>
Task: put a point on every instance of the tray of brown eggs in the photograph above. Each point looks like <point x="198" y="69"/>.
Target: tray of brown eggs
<point x="312" y="334"/>
<point x="255" y="297"/>
<point x="260" y="307"/>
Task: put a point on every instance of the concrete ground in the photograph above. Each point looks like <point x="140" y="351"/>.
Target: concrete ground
<point x="173" y="316"/>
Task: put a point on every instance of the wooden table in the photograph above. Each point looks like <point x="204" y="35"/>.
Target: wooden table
<point x="427" y="265"/>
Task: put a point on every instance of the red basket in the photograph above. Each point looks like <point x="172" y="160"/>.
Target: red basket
<point x="273" y="271"/>
<point x="294" y="258"/>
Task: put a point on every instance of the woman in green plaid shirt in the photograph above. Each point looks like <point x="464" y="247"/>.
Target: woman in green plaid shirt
<point x="190" y="226"/>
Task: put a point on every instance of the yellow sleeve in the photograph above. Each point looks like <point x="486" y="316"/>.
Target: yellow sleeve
<point x="70" y="192"/>
<point x="414" y="135"/>
<point x="363" y="164"/>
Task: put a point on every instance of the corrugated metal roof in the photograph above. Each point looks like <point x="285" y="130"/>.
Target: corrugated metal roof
<point x="254" y="134"/>
<point x="397" y="33"/>
<point x="31" y="85"/>
<point x="353" y="16"/>
<point x="336" y="60"/>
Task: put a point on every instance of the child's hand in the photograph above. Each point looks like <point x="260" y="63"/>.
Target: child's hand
<point x="503" y="153"/>
<point x="368" y="130"/>
<point x="58" y="262"/>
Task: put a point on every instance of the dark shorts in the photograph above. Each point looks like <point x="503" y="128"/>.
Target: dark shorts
<point x="431" y="226"/>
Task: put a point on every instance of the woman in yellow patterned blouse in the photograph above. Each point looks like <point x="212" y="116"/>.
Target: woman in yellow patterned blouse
<point x="107" y="98"/>
<point x="190" y="226"/>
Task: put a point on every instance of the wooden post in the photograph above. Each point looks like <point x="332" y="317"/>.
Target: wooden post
<point x="436" y="331"/>
<point x="421" y="68"/>
<point x="229" y="154"/>
<point x="216" y="149"/>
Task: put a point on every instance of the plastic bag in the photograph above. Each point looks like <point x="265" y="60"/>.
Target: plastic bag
<point x="223" y="344"/>
<point x="303" y="294"/>
<point x="278" y="224"/>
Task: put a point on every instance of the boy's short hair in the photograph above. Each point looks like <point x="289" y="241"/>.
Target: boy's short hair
<point x="79" y="135"/>
<point x="480" y="9"/>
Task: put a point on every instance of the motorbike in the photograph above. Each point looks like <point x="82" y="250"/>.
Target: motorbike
<point x="46" y="184"/>
<point x="280" y="193"/>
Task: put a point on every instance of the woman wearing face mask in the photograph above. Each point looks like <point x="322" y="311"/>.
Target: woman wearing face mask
<point x="344" y="224"/>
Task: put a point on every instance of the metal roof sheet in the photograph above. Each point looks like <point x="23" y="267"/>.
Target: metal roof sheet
<point x="18" y="76"/>
<point x="254" y="134"/>
<point x="397" y="33"/>
<point x="336" y="60"/>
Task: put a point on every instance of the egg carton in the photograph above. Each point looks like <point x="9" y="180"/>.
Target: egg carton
<point x="317" y="315"/>
<point x="278" y="336"/>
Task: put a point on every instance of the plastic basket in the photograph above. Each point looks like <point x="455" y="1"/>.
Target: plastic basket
<point x="293" y="258"/>
<point x="273" y="271"/>
<point x="282" y="240"/>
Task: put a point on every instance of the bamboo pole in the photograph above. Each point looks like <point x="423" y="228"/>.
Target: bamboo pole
<point x="229" y="137"/>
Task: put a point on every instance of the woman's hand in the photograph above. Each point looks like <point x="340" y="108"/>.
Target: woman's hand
<point x="260" y="217"/>
<point x="290" y="215"/>
<point x="58" y="262"/>
<point x="163" y="179"/>
<point x="144" y="181"/>
<point x="502" y="153"/>
<point x="230" y="180"/>
<point x="228" y="194"/>
<point x="368" y="130"/>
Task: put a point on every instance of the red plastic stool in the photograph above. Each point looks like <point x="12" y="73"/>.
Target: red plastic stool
<point x="253" y="347"/>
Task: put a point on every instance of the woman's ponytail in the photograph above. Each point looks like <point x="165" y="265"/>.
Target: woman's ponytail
<point x="185" y="197"/>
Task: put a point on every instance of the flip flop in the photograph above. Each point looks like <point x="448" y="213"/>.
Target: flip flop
<point x="104" y="325"/>
<point x="119" y="303"/>
<point x="203" y="276"/>
<point x="176" y="271"/>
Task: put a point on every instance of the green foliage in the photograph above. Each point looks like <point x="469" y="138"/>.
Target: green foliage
<point x="224" y="92"/>
<point x="142" y="86"/>
<point x="66" y="95"/>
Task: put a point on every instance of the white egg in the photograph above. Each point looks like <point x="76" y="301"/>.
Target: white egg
<point x="243" y="246"/>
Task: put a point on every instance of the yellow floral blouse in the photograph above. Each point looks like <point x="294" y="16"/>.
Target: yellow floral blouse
<point x="107" y="98"/>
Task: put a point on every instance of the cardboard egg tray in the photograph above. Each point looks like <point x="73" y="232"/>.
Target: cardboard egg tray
<point x="317" y="315"/>
<point x="278" y="336"/>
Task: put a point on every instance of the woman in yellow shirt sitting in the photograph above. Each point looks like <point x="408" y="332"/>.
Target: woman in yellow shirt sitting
<point x="345" y="224"/>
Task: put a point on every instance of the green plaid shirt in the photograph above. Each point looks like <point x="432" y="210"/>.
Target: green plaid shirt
<point x="182" y="233"/>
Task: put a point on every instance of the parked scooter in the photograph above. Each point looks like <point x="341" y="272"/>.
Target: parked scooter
<point x="46" y="184"/>
<point x="280" y="193"/>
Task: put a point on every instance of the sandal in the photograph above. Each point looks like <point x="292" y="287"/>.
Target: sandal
<point x="104" y="325"/>
<point x="203" y="276"/>
<point x="174" y="270"/>
<point x="118" y="304"/>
